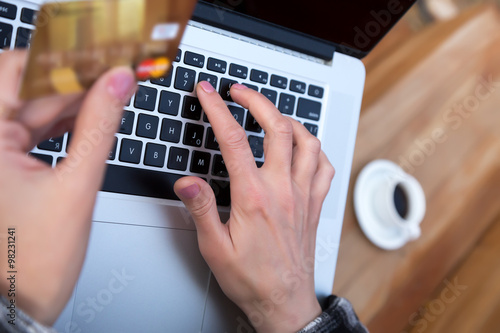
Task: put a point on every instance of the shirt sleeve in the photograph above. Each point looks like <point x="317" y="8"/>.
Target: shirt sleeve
<point x="13" y="320"/>
<point x="338" y="317"/>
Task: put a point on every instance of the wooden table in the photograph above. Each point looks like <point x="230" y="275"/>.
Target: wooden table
<point x="436" y="82"/>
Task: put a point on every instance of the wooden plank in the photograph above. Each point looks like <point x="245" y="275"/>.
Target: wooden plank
<point x="459" y="175"/>
<point x="475" y="305"/>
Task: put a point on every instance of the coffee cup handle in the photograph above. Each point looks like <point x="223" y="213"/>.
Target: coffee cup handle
<point x="414" y="232"/>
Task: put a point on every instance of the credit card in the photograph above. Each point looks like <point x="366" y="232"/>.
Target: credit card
<point x="76" y="42"/>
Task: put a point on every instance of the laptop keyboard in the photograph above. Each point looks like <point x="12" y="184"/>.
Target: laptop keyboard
<point x="164" y="133"/>
<point x="16" y="25"/>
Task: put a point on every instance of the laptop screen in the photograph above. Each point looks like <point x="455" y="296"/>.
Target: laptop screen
<point x="356" y="24"/>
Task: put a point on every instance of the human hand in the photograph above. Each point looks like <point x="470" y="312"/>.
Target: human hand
<point x="263" y="257"/>
<point x="51" y="209"/>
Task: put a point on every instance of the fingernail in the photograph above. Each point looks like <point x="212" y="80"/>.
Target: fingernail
<point x="207" y="87"/>
<point x="239" y="86"/>
<point x="122" y="84"/>
<point x="190" y="192"/>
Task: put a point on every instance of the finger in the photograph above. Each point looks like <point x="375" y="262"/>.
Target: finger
<point x="13" y="137"/>
<point x="95" y="127"/>
<point x="279" y="131"/>
<point x="11" y="67"/>
<point x="305" y="156"/>
<point x="199" y="199"/>
<point x="40" y="115"/>
<point x="320" y="188"/>
<point x="232" y="139"/>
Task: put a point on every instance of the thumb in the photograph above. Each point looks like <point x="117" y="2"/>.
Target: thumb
<point x="199" y="199"/>
<point x="96" y="124"/>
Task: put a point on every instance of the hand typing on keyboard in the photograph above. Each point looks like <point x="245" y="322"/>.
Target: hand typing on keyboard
<point x="263" y="257"/>
<point x="45" y="213"/>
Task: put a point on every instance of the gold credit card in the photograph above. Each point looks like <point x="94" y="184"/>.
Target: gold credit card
<point x="76" y="42"/>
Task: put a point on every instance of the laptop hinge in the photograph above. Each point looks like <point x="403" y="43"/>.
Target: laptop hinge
<point x="259" y="43"/>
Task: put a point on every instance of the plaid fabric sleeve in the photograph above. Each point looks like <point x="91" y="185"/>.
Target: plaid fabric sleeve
<point x="13" y="320"/>
<point x="338" y="317"/>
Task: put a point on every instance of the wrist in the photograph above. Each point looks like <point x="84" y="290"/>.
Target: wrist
<point x="270" y="317"/>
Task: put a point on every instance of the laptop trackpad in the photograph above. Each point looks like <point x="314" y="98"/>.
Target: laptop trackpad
<point x="141" y="279"/>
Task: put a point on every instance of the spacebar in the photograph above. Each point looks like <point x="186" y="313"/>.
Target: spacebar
<point x="133" y="181"/>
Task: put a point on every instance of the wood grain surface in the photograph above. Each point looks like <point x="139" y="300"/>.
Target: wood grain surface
<point x="428" y="108"/>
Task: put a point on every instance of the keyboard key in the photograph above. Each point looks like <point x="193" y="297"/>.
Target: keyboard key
<point x="5" y="35"/>
<point x="238" y="113"/>
<point x="155" y="155"/>
<point x="212" y="79"/>
<point x="259" y="76"/>
<point x="28" y="16"/>
<point x="141" y="182"/>
<point x="169" y="103"/>
<point x="8" y="10"/>
<point x="130" y="151"/>
<point x="217" y="65"/>
<point x="309" y="109"/>
<point x="147" y="126"/>
<point x="279" y="81"/>
<point x="178" y="159"/>
<point x="238" y="71"/>
<point x="256" y="145"/>
<point x="225" y="89"/>
<point x="194" y="59"/>
<point x="297" y="86"/>
<point x="191" y="108"/>
<point x="44" y="158"/>
<point x="171" y="131"/>
<point x="127" y="123"/>
<point x="316" y="91"/>
<point x="165" y="81"/>
<point x="313" y="129"/>
<point x="112" y="153"/>
<point x="23" y="37"/>
<point x="222" y="191"/>
<point x="287" y="103"/>
<point x="68" y="141"/>
<point x="145" y="98"/>
<point x="251" y="86"/>
<point x="252" y="124"/>
<point x="211" y="141"/>
<point x="178" y="56"/>
<point x="200" y="162"/>
<point x="185" y="79"/>
<point x="270" y="94"/>
<point x="219" y="168"/>
<point x="52" y="144"/>
<point x="193" y="135"/>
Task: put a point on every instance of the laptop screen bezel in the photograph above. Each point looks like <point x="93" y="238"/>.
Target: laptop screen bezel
<point x="239" y="23"/>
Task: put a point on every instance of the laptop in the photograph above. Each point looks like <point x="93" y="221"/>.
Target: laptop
<point x="143" y="271"/>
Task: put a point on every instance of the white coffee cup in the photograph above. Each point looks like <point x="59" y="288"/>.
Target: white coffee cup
<point x="400" y="203"/>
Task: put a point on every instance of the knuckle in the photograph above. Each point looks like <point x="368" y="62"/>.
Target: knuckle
<point x="329" y="173"/>
<point x="235" y="138"/>
<point x="313" y="145"/>
<point x="283" y="127"/>
<point x="202" y="206"/>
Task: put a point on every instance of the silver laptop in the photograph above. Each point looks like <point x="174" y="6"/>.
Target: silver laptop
<point x="143" y="271"/>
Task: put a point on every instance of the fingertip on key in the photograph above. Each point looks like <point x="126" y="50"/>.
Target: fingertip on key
<point x="207" y="87"/>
